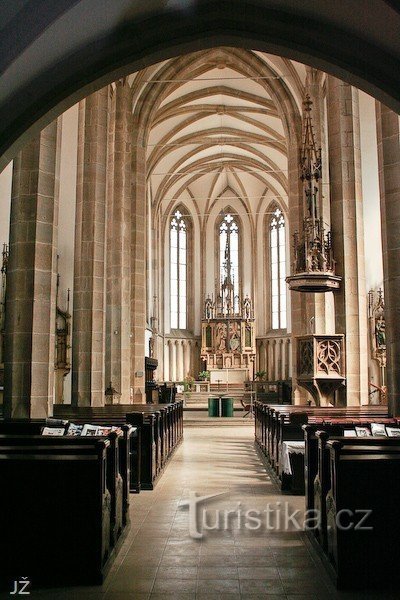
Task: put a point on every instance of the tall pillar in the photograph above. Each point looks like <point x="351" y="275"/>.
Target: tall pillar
<point x="348" y="233"/>
<point x="138" y="266"/>
<point x="118" y="242"/>
<point x="31" y="279"/>
<point x="388" y="134"/>
<point x="88" y="383"/>
<point x="299" y="301"/>
<point x="320" y="307"/>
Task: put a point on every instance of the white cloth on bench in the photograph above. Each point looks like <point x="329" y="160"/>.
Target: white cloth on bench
<point x="288" y="448"/>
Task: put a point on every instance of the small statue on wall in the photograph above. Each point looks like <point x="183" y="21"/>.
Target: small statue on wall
<point x="220" y="337"/>
<point x="151" y="347"/>
<point x="209" y="308"/>
<point x="247" y="308"/>
<point x="380" y="332"/>
<point x="376" y="316"/>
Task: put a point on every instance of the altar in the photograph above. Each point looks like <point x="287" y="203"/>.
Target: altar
<point x="228" y="345"/>
<point x="229" y="376"/>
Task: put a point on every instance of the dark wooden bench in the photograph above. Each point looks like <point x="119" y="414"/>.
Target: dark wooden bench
<point x="55" y="511"/>
<point x="161" y="427"/>
<point x="116" y="483"/>
<point x="365" y="477"/>
<point x="275" y="425"/>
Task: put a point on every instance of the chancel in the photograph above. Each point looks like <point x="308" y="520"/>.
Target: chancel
<point x="199" y="299"/>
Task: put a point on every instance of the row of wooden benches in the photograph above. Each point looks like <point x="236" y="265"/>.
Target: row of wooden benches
<point x="65" y="499"/>
<point x="277" y="424"/>
<point x="63" y="505"/>
<point x="160" y="426"/>
<point x="353" y="497"/>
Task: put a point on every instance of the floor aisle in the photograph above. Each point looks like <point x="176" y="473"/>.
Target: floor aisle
<point x="160" y="560"/>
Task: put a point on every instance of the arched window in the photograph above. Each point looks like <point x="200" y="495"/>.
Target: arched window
<point x="229" y="252"/>
<point x="178" y="271"/>
<point x="277" y="249"/>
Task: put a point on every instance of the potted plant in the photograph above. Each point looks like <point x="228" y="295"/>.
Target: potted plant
<point x="204" y="376"/>
<point x="260" y="375"/>
<point x="188" y="383"/>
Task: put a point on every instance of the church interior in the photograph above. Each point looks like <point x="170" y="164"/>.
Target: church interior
<point x="199" y="334"/>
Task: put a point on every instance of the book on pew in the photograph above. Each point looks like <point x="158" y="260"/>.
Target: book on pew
<point x="52" y="422"/>
<point x="89" y="430"/>
<point x="378" y="429"/>
<point x="349" y="433"/>
<point x="363" y="432"/>
<point x="53" y="431"/>
<point x="74" y="429"/>
<point x="103" y="430"/>
<point x="393" y="431"/>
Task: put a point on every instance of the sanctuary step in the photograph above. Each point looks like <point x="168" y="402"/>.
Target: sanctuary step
<point x="196" y="400"/>
<point x="200" y="418"/>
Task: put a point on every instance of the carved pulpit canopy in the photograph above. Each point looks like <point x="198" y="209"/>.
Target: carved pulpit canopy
<point x="313" y="268"/>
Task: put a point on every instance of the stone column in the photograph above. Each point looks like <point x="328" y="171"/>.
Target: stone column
<point x="31" y="279"/>
<point x="171" y="360"/>
<point x="348" y="233"/>
<point x="187" y="349"/>
<point x="173" y="373"/>
<point x="388" y="134"/>
<point x="180" y="363"/>
<point x="118" y="243"/>
<point x="283" y="359"/>
<point x="88" y="340"/>
<point x="320" y="307"/>
<point x="138" y="265"/>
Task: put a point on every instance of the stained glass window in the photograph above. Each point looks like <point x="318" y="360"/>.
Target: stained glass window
<point x="278" y="270"/>
<point x="178" y="271"/>
<point x="229" y="251"/>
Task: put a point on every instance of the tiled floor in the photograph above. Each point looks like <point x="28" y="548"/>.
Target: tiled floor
<point x="160" y="559"/>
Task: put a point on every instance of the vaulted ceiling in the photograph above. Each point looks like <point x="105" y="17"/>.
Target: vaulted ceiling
<point x="219" y="128"/>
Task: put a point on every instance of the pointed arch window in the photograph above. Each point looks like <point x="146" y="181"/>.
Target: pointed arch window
<point x="178" y="271"/>
<point x="229" y="232"/>
<point x="277" y="247"/>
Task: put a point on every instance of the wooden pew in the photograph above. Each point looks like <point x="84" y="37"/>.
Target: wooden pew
<point x="161" y="430"/>
<point x="119" y="498"/>
<point x="54" y="499"/>
<point x="277" y="425"/>
<point x="119" y="463"/>
<point x="367" y="479"/>
<point x="270" y="420"/>
<point x="103" y="416"/>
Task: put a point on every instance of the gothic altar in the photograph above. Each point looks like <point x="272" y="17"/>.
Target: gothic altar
<point x="228" y="346"/>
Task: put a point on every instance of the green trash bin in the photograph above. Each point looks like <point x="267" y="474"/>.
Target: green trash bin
<point x="227" y="407"/>
<point x="213" y="407"/>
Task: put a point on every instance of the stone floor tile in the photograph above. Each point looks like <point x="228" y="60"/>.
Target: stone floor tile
<point x="261" y="586"/>
<point x="177" y="572"/>
<point x="221" y="572"/>
<point x="210" y="586"/>
<point x="170" y="586"/>
<point x="258" y="573"/>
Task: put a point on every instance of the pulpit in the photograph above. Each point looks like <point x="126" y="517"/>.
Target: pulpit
<point x="320" y="368"/>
